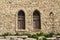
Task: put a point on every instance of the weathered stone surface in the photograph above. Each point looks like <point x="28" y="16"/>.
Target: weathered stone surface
<point x="16" y="37"/>
<point x="9" y="15"/>
<point x="30" y="39"/>
<point x="2" y="39"/>
<point x="11" y="37"/>
<point x="53" y="38"/>
<point x="58" y="37"/>
<point x="19" y="39"/>
<point x="40" y="38"/>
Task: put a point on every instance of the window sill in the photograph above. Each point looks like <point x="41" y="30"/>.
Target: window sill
<point x="37" y="30"/>
<point x="21" y="30"/>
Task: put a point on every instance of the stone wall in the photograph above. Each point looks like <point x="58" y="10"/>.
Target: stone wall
<point x="26" y="38"/>
<point x="9" y="14"/>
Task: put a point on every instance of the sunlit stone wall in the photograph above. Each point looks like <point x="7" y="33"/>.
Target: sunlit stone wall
<point x="9" y="14"/>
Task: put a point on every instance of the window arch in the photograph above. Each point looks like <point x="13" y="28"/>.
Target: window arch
<point x="51" y="14"/>
<point x="36" y="20"/>
<point x="21" y="20"/>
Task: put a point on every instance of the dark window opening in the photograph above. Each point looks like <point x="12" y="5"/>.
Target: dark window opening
<point x="36" y="20"/>
<point x="21" y="20"/>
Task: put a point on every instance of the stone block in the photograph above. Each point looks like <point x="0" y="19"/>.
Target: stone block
<point x="58" y="37"/>
<point x="16" y="37"/>
<point x="11" y="37"/>
<point x="3" y="39"/>
<point x="19" y="39"/>
<point x="30" y="39"/>
<point x="40" y="38"/>
<point x="23" y="37"/>
<point x="53" y="38"/>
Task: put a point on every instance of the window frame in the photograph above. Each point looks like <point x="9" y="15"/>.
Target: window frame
<point x="17" y="23"/>
<point x="37" y="20"/>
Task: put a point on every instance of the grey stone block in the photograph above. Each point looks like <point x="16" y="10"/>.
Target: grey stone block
<point x="58" y="37"/>
<point x="40" y="38"/>
<point x="11" y="37"/>
<point x="30" y="39"/>
<point x="23" y="37"/>
<point x="16" y="37"/>
<point x="19" y="39"/>
<point x="3" y="39"/>
<point x="53" y="38"/>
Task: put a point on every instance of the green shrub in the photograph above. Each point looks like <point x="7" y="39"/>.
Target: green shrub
<point x="58" y="34"/>
<point x="39" y="34"/>
<point x="16" y="34"/>
<point x="31" y="36"/>
<point x="45" y="35"/>
<point x="35" y="36"/>
<point x="6" y="34"/>
<point x="44" y="38"/>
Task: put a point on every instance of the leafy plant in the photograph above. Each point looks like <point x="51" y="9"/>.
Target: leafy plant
<point x="35" y="36"/>
<point x="44" y="38"/>
<point x="6" y="34"/>
<point x="32" y="35"/>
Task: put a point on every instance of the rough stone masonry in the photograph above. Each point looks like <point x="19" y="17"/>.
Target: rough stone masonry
<point x="9" y="15"/>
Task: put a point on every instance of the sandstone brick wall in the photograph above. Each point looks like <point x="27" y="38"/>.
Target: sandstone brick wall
<point x="9" y="14"/>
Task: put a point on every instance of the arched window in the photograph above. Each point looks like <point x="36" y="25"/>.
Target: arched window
<point x="21" y="20"/>
<point x="36" y="20"/>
